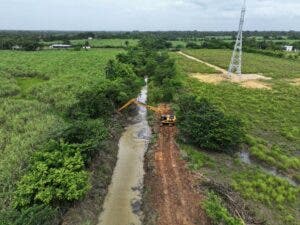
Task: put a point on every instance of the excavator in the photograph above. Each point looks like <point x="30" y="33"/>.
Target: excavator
<point x="166" y="119"/>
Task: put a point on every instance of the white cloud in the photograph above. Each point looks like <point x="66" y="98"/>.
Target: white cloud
<point x="148" y="14"/>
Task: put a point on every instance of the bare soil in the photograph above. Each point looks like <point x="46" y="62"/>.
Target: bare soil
<point x="255" y="81"/>
<point x="295" y="82"/>
<point x="247" y="80"/>
<point x="172" y="187"/>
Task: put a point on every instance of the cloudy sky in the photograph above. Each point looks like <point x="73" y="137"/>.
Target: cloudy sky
<point x="148" y="14"/>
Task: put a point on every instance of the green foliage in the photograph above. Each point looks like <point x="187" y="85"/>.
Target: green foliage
<point x="275" y="156"/>
<point x="147" y="61"/>
<point x="265" y="188"/>
<point x="56" y="174"/>
<point x="51" y="83"/>
<point x="193" y="45"/>
<point x="217" y="212"/>
<point x="104" y="43"/>
<point x="30" y="45"/>
<point x="8" y="86"/>
<point x="115" y="69"/>
<point x="191" y="66"/>
<point x="88" y="135"/>
<point x="204" y="125"/>
<point x="25" y="124"/>
<point x="154" y="43"/>
<point x="196" y="159"/>
<point x="34" y="215"/>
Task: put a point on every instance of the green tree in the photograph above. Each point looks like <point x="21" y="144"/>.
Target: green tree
<point x="204" y="125"/>
<point x="56" y="174"/>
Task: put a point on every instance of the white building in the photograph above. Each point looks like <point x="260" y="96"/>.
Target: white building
<point x="288" y="48"/>
<point x="90" y="38"/>
<point x="16" y="47"/>
<point x="60" y="46"/>
<point x="86" y="47"/>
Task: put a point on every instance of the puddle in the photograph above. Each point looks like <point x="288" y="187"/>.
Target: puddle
<point x="123" y="202"/>
<point x="245" y="157"/>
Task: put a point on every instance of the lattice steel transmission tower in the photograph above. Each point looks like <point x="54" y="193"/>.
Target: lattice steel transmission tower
<point x="236" y="60"/>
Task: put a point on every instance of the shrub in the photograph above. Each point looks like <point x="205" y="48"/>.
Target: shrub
<point x="35" y="215"/>
<point x="204" y="125"/>
<point x="115" y="69"/>
<point x="217" y="212"/>
<point x="56" y="174"/>
<point x="265" y="188"/>
<point x="88" y="135"/>
<point x="193" y="45"/>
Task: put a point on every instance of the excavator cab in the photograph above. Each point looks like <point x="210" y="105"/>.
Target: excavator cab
<point x="168" y="119"/>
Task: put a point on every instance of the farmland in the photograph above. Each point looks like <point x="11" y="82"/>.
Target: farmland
<point x="60" y="131"/>
<point x="99" y="43"/>
<point x="271" y="119"/>
<point x="40" y="94"/>
<point x="253" y="63"/>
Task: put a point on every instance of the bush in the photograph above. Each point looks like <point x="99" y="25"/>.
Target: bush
<point x="56" y="175"/>
<point x="35" y="215"/>
<point x="115" y="69"/>
<point x="88" y="135"/>
<point x="217" y="212"/>
<point x="193" y="45"/>
<point x="204" y="125"/>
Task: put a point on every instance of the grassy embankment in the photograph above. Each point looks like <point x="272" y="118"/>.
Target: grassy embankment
<point x="40" y="93"/>
<point x="272" y="122"/>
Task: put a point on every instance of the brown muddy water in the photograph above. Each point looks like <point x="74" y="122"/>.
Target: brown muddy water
<point x="122" y="204"/>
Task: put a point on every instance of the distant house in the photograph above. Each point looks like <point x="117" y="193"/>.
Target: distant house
<point x="60" y="46"/>
<point x="16" y="47"/>
<point x="288" y="48"/>
<point x="90" y="38"/>
<point x="86" y="47"/>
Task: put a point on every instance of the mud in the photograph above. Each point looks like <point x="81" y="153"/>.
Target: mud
<point x="173" y="191"/>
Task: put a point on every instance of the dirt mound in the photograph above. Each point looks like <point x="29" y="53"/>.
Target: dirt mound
<point x="256" y="84"/>
<point x="247" y="80"/>
<point x="295" y="82"/>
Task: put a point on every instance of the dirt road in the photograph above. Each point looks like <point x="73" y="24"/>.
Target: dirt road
<point x="173" y="192"/>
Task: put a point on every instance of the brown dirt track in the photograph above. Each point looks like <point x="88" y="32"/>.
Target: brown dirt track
<point x="173" y="193"/>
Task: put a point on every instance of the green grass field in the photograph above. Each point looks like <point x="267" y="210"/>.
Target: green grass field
<point x="252" y="63"/>
<point x="106" y="42"/>
<point x="272" y="123"/>
<point x="99" y="43"/>
<point x="36" y="88"/>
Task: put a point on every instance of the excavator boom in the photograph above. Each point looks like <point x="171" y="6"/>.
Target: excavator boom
<point x="140" y="104"/>
<point x="165" y="119"/>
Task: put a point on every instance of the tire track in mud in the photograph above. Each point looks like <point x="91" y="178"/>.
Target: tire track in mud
<point x="173" y="196"/>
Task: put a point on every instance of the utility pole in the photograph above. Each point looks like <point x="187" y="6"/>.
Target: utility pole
<point x="236" y="60"/>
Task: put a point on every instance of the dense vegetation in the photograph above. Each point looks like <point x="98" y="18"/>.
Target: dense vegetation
<point x="272" y="137"/>
<point x="56" y="114"/>
<point x="204" y="125"/>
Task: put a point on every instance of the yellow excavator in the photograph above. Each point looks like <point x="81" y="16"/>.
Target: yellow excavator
<point x="166" y="119"/>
